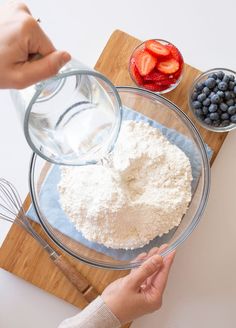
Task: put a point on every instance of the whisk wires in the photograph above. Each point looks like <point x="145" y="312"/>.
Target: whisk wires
<point x="11" y="207"/>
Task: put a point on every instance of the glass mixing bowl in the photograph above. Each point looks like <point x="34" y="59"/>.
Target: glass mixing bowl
<point x="48" y="207"/>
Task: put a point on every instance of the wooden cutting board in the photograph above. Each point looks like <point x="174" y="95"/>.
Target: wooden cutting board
<point x="21" y="255"/>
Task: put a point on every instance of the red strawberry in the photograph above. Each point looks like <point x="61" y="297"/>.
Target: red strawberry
<point x="166" y="82"/>
<point x="145" y="62"/>
<point x="150" y="86"/>
<point x="155" y="76"/>
<point x="156" y="48"/>
<point x="155" y="87"/>
<point x="135" y="73"/>
<point x="180" y="70"/>
<point x="178" y="73"/>
<point x="169" y="66"/>
<point x="139" y="49"/>
<point x="174" y="52"/>
<point x="159" y="78"/>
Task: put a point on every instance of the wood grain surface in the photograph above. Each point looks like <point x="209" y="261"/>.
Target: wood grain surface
<point x="21" y="255"/>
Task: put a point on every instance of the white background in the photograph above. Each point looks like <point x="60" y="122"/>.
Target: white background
<point x="202" y="287"/>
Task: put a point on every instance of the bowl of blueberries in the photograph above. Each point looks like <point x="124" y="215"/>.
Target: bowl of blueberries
<point x="212" y="99"/>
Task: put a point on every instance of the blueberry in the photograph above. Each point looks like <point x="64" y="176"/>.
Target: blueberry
<point x="212" y="76"/>
<point x="220" y="93"/>
<point x="208" y="121"/>
<point x="205" y="110"/>
<point x="210" y="83"/>
<point x="211" y="94"/>
<point x="224" y="116"/>
<point x="199" y="112"/>
<point x="225" y="123"/>
<point x="215" y="89"/>
<point x="223" y="107"/>
<point x="194" y="95"/>
<point x="233" y="95"/>
<point x="215" y="99"/>
<point x="216" y="123"/>
<point x="206" y="90"/>
<point x="220" y="75"/>
<point x="233" y="118"/>
<point x="196" y="104"/>
<point x="199" y="86"/>
<point x="213" y="108"/>
<point x="226" y="79"/>
<point x="206" y="102"/>
<point x="214" y="116"/>
<point x="232" y="110"/>
<point x="201" y="97"/>
<point x="230" y="102"/>
<point x="227" y="95"/>
<point x="231" y="85"/>
<point x="222" y="86"/>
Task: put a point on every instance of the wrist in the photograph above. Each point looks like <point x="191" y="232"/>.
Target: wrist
<point x="96" y="314"/>
<point x="116" y="308"/>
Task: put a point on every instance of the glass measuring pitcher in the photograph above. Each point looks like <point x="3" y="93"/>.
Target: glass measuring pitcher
<point x="73" y="118"/>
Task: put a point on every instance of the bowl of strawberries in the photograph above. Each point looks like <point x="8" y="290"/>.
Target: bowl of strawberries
<point x="156" y="65"/>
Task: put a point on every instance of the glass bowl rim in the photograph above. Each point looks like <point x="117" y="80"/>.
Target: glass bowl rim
<point x="180" y="239"/>
<point x="196" y="80"/>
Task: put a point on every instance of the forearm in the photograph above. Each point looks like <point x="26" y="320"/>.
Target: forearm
<point x="95" y="315"/>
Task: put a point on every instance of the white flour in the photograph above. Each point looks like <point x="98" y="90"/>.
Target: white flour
<point x="140" y="193"/>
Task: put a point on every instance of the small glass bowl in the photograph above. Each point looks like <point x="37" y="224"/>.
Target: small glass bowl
<point x="169" y="87"/>
<point x="201" y="78"/>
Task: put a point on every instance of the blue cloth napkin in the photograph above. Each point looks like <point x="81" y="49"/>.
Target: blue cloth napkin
<point x="49" y="197"/>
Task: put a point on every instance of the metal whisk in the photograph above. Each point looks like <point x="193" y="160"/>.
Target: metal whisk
<point x="11" y="210"/>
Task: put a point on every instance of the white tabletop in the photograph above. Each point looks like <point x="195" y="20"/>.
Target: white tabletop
<point x="202" y="287"/>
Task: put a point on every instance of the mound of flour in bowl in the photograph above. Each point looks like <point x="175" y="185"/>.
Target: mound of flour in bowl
<point x="141" y="191"/>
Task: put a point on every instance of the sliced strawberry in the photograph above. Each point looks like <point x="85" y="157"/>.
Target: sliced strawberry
<point x="150" y="86"/>
<point x="145" y="62"/>
<point x="155" y="76"/>
<point x="174" y="52"/>
<point x="140" y="48"/>
<point x="166" y="82"/>
<point x="158" y="77"/>
<point x="169" y="66"/>
<point x="155" y="87"/>
<point x="135" y="73"/>
<point x="177" y="74"/>
<point x="156" y="48"/>
<point x="180" y="70"/>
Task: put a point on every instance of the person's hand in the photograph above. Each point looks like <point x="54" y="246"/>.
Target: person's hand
<point x="141" y="291"/>
<point x="20" y="37"/>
